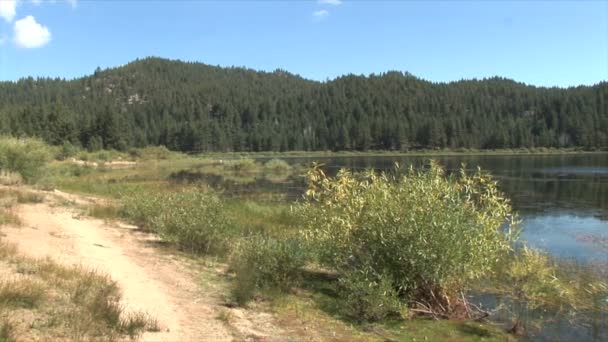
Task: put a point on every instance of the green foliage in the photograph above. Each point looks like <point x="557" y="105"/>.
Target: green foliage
<point x="263" y="263"/>
<point x="241" y="165"/>
<point x="67" y="150"/>
<point x="27" y="157"/>
<point x="101" y="156"/>
<point x="430" y="233"/>
<point x="277" y="166"/>
<point x="369" y="297"/>
<point x="142" y="208"/>
<point x="152" y="153"/>
<point x="192" y="218"/>
<point x="531" y="280"/>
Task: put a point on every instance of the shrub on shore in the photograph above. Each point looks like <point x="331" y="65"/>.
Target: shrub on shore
<point x="27" y="157"/>
<point x="428" y="234"/>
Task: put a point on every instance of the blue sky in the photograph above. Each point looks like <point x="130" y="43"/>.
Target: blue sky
<point x="555" y="43"/>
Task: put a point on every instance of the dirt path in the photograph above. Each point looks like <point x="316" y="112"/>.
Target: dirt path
<point x="151" y="281"/>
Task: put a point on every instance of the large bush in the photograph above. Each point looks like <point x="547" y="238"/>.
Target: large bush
<point x="429" y="233"/>
<point x="26" y="156"/>
<point x="194" y="219"/>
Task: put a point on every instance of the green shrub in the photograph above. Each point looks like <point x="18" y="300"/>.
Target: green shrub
<point x="277" y="166"/>
<point x="369" y="297"/>
<point x="141" y="207"/>
<point x="152" y="153"/>
<point x="264" y="263"/>
<point x="241" y="165"/>
<point x="430" y="233"/>
<point x="26" y="157"/>
<point x="67" y="150"/>
<point x="194" y="219"/>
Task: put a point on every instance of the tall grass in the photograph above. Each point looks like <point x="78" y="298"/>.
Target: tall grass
<point x="194" y="219"/>
<point x="265" y="263"/>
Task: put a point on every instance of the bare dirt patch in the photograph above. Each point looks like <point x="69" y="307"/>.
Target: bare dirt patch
<point x="151" y="282"/>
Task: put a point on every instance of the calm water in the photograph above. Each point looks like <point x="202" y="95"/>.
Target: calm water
<point x="562" y="200"/>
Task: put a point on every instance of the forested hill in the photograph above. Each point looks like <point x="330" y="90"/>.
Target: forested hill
<point x="197" y="107"/>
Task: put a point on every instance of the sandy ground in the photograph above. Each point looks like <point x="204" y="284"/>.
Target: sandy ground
<point x="153" y="282"/>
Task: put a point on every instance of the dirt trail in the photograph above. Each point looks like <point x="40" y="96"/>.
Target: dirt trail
<point x="151" y="281"/>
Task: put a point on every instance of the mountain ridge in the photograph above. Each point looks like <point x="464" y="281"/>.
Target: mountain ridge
<point x="192" y="106"/>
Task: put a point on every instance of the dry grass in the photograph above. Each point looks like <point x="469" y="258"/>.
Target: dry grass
<point x="10" y="178"/>
<point x="104" y="212"/>
<point x="9" y="197"/>
<point x="40" y="299"/>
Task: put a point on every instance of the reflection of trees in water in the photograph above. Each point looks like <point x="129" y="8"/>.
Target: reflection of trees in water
<point x="234" y="184"/>
<point x="534" y="194"/>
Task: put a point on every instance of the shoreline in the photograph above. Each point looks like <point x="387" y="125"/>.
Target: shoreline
<point x="414" y="153"/>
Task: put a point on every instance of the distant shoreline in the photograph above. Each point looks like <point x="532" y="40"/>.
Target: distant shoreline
<point x="413" y="153"/>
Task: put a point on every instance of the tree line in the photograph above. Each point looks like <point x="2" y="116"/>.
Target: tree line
<point x="197" y="107"/>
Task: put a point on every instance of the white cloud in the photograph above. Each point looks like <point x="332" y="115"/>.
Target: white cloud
<point x="29" y="34"/>
<point x="36" y="2"/>
<point x="320" y="14"/>
<point x="8" y="9"/>
<point x="72" y="3"/>
<point x="330" y="2"/>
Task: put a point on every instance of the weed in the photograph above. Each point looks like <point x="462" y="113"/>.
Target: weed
<point x="225" y="316"/>
<point x="104" y="212"/>
<point x="24" y="293"/>
<point x="264" y="263"/>
<point x="7" y="329"/>
<point x="29" y="197"/>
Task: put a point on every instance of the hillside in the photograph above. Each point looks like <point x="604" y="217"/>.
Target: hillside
<point x="197" y="107"/>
